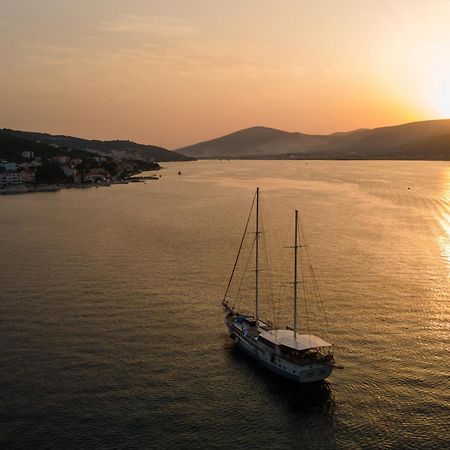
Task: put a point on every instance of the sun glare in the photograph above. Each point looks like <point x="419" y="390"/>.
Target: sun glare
<point x="429" y="77"/>
<point x="436" y="84"/>
<point x="442" y="97"/>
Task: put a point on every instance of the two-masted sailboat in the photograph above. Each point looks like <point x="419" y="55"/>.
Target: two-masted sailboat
<point x="303" y="358"/>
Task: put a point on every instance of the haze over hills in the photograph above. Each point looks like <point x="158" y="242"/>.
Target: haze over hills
<point x="428" y="140"/>
<point x="117" y="148"/>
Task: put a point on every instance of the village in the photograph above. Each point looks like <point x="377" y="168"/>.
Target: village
<point x="31" y="173"/>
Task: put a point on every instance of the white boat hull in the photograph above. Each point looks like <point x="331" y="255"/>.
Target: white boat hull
<point x="265" y="356"/>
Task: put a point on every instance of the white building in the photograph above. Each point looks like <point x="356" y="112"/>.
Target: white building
<point x="62" y="159"/>
<point x="27" y="154"/>
<point x="10" y="178"/>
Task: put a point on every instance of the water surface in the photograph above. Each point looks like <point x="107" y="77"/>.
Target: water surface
<point x="111" y="326"/>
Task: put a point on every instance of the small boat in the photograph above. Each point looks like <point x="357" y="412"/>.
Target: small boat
<point x="303" y="358"/>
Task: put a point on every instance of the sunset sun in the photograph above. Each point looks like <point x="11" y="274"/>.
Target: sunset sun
<point x="441" y="92"/>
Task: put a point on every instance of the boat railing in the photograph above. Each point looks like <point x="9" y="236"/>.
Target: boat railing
<point x="310" y="356"/>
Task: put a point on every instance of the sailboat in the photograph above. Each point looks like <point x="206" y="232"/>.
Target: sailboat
<point x="303" y="358"/>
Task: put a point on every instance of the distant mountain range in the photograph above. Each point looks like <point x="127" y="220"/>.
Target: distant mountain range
<point x="118" y="149"/>
<point x="428" y="140"/>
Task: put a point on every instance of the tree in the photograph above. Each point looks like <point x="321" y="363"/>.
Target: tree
<point x="50" y="173"/>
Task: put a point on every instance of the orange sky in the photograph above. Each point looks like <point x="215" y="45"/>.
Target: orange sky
<point x="173" y="72"/>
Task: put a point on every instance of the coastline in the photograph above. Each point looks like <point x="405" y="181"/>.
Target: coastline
<point x="16" y="189"/>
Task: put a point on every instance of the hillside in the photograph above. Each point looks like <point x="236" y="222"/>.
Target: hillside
<point x="11" y="146"/>
<point x="438" y="146"/>
<point x="255" y="141"/>
<point x="418" y="141"/>
<point x="118" y="148"/>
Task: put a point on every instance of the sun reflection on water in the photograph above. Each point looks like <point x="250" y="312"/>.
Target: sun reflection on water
<point x="435" y="318"/>
<point x="444" y="239"/>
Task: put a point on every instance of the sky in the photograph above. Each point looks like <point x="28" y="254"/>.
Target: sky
<point x="176" y="72"/>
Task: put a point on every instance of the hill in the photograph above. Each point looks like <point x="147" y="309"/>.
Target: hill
<point x="428" y="140"/>
<point x="255" y="141"/>
<point x="11" y="146"/>
<point x="118" y="148"/>
<point x="438" y="146"/>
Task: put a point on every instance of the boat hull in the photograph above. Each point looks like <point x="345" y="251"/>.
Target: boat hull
<point x="310" y="373"/>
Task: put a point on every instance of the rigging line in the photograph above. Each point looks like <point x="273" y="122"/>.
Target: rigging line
<point x="315" y="283"/>
<point x="320" y="299"/>
<point x="286" y="288"/>
<point x="276" y="312"/>
<point x="283" y="283"/>
<point x="305" y="294"/>
<point x="240" y="248"/>
<point x="245" y="271"/>
<point x="267" y="279"/>
<point x="303" y="276"/>
<point x="277" y="292"/>
<point x="268" y="284"/>
<point x="307" y="306"/>
<point x="315" y="286"/>
<point x="305" y="258"/>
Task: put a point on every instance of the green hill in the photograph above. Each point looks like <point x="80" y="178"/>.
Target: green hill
<point x="11" y="147"/>
<point x="117" y="149"/>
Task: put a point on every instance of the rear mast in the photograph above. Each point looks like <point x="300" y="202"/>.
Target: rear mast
<point x="295" y="272"/>
<point x="257" y="258"/>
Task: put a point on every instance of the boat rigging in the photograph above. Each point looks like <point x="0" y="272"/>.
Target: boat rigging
<point x="303" y="358"/>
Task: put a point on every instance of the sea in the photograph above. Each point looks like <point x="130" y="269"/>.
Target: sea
<point x="111" y="325"/>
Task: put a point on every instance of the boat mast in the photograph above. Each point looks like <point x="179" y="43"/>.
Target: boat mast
<point x="257" y="257"/>
<point x="295" y="272"/>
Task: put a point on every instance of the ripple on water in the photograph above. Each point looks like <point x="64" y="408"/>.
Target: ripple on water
<point x="112" y="333"/>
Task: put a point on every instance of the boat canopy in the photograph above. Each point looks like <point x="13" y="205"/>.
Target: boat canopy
<point x="301" y="342"/>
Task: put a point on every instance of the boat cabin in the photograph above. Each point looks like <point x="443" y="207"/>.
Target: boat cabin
<point x="305" y="348"/>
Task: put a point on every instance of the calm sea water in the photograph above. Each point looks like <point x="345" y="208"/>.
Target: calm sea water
<point x="111" y="327"/>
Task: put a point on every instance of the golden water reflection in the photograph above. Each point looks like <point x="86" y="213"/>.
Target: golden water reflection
<point x="444" y="238"/>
